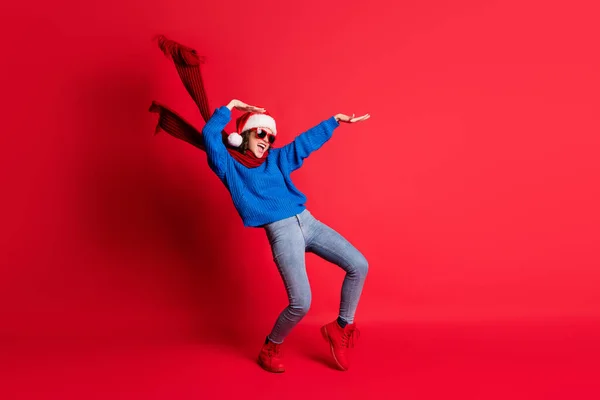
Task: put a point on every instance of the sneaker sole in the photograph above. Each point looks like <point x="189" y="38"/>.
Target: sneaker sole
<point x="275" y="371"/>
<point x="328" y="340"/>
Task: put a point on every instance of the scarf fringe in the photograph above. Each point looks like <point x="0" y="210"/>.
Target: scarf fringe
<point x="178" y="53"/>
<point x="173" y="124"/>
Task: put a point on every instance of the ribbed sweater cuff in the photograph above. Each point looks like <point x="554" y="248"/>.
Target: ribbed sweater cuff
<point x="332" y="123"/>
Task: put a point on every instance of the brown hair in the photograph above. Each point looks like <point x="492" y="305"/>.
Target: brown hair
<point x="245" y="141"/>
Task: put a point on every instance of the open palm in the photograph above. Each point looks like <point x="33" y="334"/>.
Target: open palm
<point x="351" y="119"/>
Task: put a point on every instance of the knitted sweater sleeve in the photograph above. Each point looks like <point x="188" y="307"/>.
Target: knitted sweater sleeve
<point x="294" y="153"/>
<point x="213" y="140"/>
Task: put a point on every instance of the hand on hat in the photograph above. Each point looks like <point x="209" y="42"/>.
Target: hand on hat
<point x="240" y="105"/>
<point x="350" y="120"/>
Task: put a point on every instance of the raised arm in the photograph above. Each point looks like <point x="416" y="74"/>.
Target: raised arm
<point x="213" y="140"/>
<point x="313" y="139"/>
<point x="294" y="153"/>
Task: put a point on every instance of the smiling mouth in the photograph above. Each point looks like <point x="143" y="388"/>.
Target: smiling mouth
<point x="262" y="146"/>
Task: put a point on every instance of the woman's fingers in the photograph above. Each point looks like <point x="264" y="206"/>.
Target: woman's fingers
<point x="352" y="119"/>
<point x="364" y="117"/>
<point x="246" y="107"/>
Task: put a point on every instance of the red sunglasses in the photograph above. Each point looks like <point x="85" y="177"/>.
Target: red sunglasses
<point x="261" y="133"/>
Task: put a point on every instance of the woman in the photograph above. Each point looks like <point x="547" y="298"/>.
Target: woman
<point x="264" y="196"/>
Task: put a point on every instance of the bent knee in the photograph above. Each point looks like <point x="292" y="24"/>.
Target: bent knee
<point x="361" y="266"/>
<point x="301" y="306"/>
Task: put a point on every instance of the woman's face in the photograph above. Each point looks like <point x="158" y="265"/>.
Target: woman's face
<point x="257" y="145"/>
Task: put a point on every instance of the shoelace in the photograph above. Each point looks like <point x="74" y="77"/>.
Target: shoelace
<point x="273" y="349"/>
<point x="348" y="337"/>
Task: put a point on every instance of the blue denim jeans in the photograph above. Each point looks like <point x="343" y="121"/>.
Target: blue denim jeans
<point x="290" y="239"/>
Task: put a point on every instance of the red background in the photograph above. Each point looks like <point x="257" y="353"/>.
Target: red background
<point x="472" y="190"/>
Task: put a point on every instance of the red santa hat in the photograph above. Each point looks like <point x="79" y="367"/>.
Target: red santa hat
<point x="249" y="121"/>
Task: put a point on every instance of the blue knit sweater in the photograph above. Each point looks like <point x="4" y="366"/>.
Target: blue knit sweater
<point x="266" y="193"/>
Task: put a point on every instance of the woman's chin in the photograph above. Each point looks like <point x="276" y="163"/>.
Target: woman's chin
<point x="258" y="153"/>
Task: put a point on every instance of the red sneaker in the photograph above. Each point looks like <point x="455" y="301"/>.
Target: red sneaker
<point x="270" y="357"/>
<point x="339" y="339"/>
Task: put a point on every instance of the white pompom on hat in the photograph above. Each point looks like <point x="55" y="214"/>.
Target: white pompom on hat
<point x="235" y="139"/>
<point x="248" y="121"/>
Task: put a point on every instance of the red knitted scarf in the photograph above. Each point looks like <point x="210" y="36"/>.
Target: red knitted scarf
<point x="187" y="63"/>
